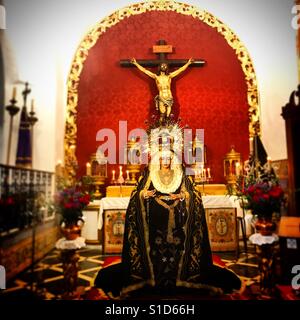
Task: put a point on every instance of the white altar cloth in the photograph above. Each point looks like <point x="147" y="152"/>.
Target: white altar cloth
<point x="209" y="201"/>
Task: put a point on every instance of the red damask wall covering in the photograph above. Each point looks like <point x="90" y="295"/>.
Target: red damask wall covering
<point x="213" y="97"/>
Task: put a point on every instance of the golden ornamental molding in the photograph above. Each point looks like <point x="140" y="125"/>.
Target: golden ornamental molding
<point x="101" y="27"/>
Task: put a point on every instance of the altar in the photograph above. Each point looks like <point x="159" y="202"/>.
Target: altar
<point x="112" y="212"/>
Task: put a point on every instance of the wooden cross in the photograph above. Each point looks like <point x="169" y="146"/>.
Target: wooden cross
<point x="162" y="49"/>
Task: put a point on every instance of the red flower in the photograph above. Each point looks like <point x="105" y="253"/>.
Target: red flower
<point x="81" y="200"/>
<point x="10" y="201"/>
<point x="256" y="198"/>
<point x="85" y="199"/>
<point x="265" y="196"/>
<point x="251" y="189"/>
<point x="258" y="191"/>
<point x="71" y="198"/>
<point x="276" y="192"/>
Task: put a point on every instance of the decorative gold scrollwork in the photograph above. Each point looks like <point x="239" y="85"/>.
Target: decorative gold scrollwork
<point x="101" y="27"/>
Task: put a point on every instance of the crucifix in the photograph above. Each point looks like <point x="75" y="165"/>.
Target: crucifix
<point x="25" y="93"/>
<point x="164" y="100"/>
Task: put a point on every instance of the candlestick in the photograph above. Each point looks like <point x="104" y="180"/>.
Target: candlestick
<point x="88" y="169"/>
<point x="14" y="94"/>
<point x="12" y="110"/>
<point x="32" y="106"/>
<point x="201" y="172"/>
<point x="127" y="175"/>
<point x="113" y="175"/>
<point x="120" y="180"/>
<point x="121" y="173"/>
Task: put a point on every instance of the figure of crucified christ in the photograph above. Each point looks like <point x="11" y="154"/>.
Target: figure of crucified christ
<point x="164" y="99"/>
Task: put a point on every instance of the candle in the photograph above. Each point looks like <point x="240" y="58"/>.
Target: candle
<point x="14" y="94"/>
<point x="88" y="169"/>
<point x="113" y="175"/>
<point x="208" y="173"/>
<point x="204" y="174"/>
<point x="32" y="106"/>
<point x="127" y="173"/>
<point x="121" y="173"/>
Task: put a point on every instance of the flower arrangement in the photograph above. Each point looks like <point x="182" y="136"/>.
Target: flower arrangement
<point x="19" y="210"/>
<point x="259" y="191"/>
<point x="70" y="202"/>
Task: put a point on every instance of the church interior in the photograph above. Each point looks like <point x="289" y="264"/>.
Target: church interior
<point x="159" y="137"/>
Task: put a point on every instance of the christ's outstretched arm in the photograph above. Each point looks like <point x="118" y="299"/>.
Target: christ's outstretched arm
<point x="178" y="71"/>
<point x="144" y="70"/>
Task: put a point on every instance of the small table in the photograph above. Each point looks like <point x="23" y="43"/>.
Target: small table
<point x="267" y="257"/>
<point x="69" y="256"/>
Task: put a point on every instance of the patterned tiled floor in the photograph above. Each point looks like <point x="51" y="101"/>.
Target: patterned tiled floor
<point x="47" y="282"/>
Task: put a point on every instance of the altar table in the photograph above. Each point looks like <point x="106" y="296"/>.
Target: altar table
<point x="210" y="201"/>
<point x="113" y="209"/>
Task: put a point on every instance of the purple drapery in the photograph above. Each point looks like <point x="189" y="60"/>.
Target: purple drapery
<point x="24" y="154"/>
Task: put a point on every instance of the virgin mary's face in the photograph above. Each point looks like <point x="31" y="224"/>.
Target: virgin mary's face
<point x="165" y="162"/>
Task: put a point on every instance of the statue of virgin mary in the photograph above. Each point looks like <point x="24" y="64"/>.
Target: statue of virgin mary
<point x="166" y="248"/>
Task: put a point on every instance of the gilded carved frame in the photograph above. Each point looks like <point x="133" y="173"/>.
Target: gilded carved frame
<point x="92" y="37"/>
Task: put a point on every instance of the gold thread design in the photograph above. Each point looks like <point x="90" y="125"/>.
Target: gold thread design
<point x="146" y="239"/>
<point x="101" y="27"/>
<point x="171" y="220"/>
